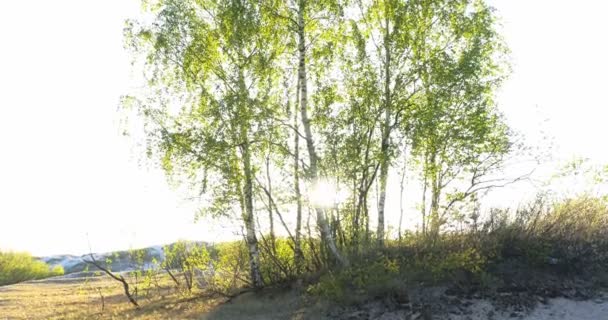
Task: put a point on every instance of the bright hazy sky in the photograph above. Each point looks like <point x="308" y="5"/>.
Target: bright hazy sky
<point x="66" y="172"/>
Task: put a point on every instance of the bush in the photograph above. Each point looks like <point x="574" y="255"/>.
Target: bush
<point x="556" y="239"/>
<point x="57" y="271"/>
<point x="188" y="261"/>
<point x="277" y="261"/>
<point x="368" y="276"/>
<point x="17" y="267"/>
<point x="229" y="267"/>
<point x="573" y="234"/>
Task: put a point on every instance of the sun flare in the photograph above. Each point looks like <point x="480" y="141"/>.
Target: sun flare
<point x="325" y="194"/>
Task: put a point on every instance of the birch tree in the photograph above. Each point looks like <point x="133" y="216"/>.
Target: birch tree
<point x="310" y="25"/>
<point x="458" y="130"/>
<point x="212" y="84"/>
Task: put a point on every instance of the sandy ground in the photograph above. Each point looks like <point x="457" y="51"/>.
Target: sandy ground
<point x="288" y="306"/>
<point x="555" y="309"/>
<point x="568" y="309"/>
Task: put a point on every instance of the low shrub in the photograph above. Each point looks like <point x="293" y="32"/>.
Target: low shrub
<point x="368" y="276"/>
<point x="17" y="267"/>
<point x="564" y="238"/>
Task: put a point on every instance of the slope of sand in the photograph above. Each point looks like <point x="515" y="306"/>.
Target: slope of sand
<point x="555" y="309"/>
<point x="289" y="306"/>
<point x="568" y="309"/>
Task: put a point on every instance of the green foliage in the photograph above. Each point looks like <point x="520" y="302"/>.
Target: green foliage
<point x="468" y="260"/>
<point x="366" y="277"/>
<point x="276" y="261"/>
<point x="216" y="61"/>
<point x="17" y="267"/>
<point x="57" y="271"/>
<point x="184" y="260"/>
<point x="229" y="265"/>
<point x="387" y="76"/>
<point x="565" y="238"/>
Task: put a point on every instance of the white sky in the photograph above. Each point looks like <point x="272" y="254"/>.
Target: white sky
<point x="65" y="170"/>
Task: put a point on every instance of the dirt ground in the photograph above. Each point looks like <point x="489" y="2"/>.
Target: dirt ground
<point x="81" y="298"/>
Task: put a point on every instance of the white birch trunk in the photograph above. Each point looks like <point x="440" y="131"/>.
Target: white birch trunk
<point x="321" y="219"/>
<point x="384" y="161"/>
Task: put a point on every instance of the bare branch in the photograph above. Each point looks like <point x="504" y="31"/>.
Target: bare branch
<point x="118" y="278"/>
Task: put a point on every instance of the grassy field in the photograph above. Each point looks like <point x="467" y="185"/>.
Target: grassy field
<point x="80" y="298"/>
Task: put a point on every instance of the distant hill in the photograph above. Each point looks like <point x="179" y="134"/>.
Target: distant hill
<point x="120" y="260"/>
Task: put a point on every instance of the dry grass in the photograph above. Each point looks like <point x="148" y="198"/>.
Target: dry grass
<point x="62" y="298"/>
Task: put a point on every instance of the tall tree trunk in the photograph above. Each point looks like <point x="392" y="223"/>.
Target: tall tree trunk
<point x="252" y="241"/>
<point x="248" y="213"/>
<point x="357" y="213"/>
<point x="423" y="205"/>
<point x="298" y="256"/>
<point x="270" y="201"/>
<point x="434" y="222"/>
<point x="365" y="183"/>
<point x="366" y="217"/>
<point x="435" y="197"/>
<point x="357" y="217"/>
<point x="401" y="191"/>
<point x="313" y="169"/>
<point x="383" y="181"/>
<point x="384" y="160"/>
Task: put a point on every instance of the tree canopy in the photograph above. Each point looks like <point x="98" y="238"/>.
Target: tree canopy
<point x="254" y="104"/>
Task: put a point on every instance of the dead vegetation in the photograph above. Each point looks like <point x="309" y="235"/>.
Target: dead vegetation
<point x="97" y="298"/>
